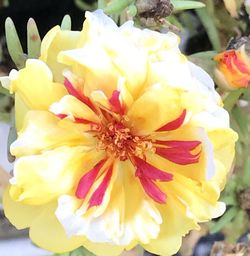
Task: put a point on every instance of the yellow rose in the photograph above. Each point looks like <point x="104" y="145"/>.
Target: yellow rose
<point x="133" y="148"/>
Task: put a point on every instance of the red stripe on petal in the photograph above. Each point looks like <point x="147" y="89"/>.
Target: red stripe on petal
<point x="242" y="67"/>
<point x="97" y="197"/>
<point x="72" y="91"/>
<point x="146" y="170"/>
<point x="87" y="180"/>
<point x="175" y="124"/>
<point x="77" y="120"/>
<point x="61" y="116"/>
<point x="84" y="121"/>
<point x="178" y="155"/>
<point x="188" y="145"/>
<point x="115" y="103"/>
<point x="153" y="191"/>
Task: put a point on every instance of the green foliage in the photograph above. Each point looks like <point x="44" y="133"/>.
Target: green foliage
<point x="14" y="45"/>
<point x="180" y="5"/>
<point x="66" y="23"/>
<point x="5" y="107"/>
<point x="78" y="252"/>
<point x="204" y="60"/>
<point x="208" y="22"/>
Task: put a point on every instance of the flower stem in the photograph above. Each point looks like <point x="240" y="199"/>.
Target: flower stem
<point x="232" y="98"/>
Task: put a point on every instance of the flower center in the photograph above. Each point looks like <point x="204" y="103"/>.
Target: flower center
<point x="118" y="141"/>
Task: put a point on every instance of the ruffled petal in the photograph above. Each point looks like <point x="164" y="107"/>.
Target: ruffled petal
<point x="46" y="232"/>
<point x="118" y="221"/>
<point x="74" y="109"/>
<point x="103" y="57"/>
<point x="223" y="141"/>
<point x="55" y="41"/>
<point x="19" y="214"/>
<point x="21" y="110"/>
<point x="35" y="176"/>
<point x="157" y="99"/>
<point x="37" y="93"/>
<point x="175" y="224"/>
<point x="99" y="249"/>
<point x="44" y="131"/>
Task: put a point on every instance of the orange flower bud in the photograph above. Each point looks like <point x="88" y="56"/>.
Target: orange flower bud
<point x="233" y="69"/>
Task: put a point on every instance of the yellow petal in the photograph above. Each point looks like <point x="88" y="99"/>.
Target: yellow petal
<point x="38" y="179"/>
<point x="73" y="107"/>
<point x="37" y="93"/>
<point x="175" y="224"/>
<point x="223" y="141"/>
<point x="102" y="249"/>
<point x="102" y="57"/>
<point x="21" y="110"/>
<point x="47" y="233"/>
<point x="55" y="41"/>
<point x="43" y="131"/>
<point x="200" y="199"/>
<point x="157" y="100"/>
<point x="197" y="171"/>
<point x="19" y="214"/>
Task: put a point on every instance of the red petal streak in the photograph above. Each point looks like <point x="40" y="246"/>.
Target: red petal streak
<point x="97" y="197"/>
<point x="153" y="191"/>
<point x="72" y="91"/>
<point x="61" y="116"/>
<point x="148" y="171"/>
<point x="180" y="156"/>
<point x="87" y="180"/>
<point x="77" y="120"/>
<point x="242" y="67"/>
<point x="115" y="103"/>
<point x="188" y="145"/>
<point x="175" y="124"/>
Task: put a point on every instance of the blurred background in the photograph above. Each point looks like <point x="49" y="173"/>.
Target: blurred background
<point x="220" y="26"/>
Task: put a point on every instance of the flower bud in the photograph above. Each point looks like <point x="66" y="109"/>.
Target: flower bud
<point x="233" y="66"/>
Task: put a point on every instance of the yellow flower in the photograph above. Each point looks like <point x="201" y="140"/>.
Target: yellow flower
<point x="133" y="148"/>
<point x="233" y="69"/>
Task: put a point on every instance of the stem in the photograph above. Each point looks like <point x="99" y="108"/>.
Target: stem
<point x="232" y="98"/>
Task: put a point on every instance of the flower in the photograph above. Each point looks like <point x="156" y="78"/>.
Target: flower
<point x="233" y="68"/>
<point x="133" y="148"/>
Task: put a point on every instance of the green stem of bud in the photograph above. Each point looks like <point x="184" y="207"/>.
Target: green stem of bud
<point x="232" y="98"/>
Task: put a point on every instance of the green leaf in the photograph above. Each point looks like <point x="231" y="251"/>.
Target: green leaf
<point x="33" y="39"/>
<point x="232" y="98"/>
<point x="246" y="95"/>
<point x="66" y="23"/>
<point x="241" y="117"/>
<point x="207" y="21"/>
<point x="246" y="172"/>
<point x="84" y="6"/>
<point x="4" y="91"/>
<point x="81" y="251"/>
<point x="12" y="136"/>
<point x="180" y="5"/>
<point x="204" y="60"/>
<point x="229" y="200"/>
<point x="13" y="44"/>
<point x="101" y="4"/>
<point x="226" y="218"/>
<point x="131" y="10"/>
<point x="117" y="6"/>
